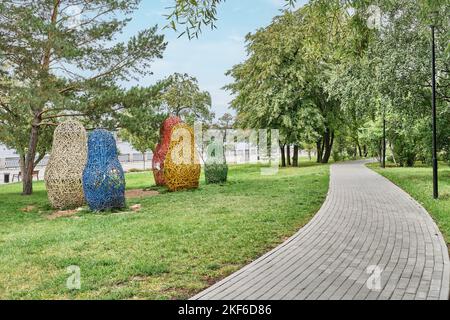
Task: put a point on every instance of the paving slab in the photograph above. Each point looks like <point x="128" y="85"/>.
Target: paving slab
<point x="366" y="225"/>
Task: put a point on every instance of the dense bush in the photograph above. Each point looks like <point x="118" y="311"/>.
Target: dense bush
<point x="216" y="168"/>
<point x="405" y="151"/>
<point x="216" y="173"/>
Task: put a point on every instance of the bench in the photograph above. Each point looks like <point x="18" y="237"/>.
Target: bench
<point x="19" y="175"/>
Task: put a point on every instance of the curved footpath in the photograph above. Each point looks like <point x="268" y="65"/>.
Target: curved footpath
<point x="366" y="225"/>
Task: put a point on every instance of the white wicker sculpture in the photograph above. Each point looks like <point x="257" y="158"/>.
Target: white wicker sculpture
<point x="64" y="172"/>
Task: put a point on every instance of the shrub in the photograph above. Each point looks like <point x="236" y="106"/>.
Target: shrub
<point x="216" y="173"/>
<point x="216" y="168"/>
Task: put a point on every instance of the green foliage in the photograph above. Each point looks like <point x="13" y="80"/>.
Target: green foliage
<point x="146" y="108"/>
<point x="284" y="82"/>
<point x="216" y="168"/>
<point x="58" y="62"/>
<point x="216" y="173"/>
<point x="194" y="14"/>
<point x="372" y="137"/>
<point x="183" y="98"/>
<point x="390" y="77"/>
<point x="141" y="120"/>
<point x="372" y="71"/>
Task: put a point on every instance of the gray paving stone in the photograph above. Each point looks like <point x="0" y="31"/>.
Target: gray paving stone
<point x="365" y="221"/>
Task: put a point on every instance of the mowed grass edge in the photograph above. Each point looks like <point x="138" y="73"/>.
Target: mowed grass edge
<point x="418" y="183"/>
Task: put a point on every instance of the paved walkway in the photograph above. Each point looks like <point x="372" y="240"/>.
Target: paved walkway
<point x="365" y="221"/>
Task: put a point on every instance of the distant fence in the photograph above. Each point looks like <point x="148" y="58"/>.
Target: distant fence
<point x="14" y="162"/>
<point x="135" y="157"/>
<point x="238" y="156"/>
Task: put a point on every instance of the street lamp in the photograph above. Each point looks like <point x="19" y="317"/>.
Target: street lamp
<point x="384" y="137"/>
<point x="433" y="103"/>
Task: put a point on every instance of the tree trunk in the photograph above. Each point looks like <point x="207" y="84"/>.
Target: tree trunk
<point x="288" y="155"/>
<point x="295" y="157"/>
<point x="22" y="162"/>
<point x="143" y="157"/>
<point x="319" y="151"/>
<point x="283" y="155"/>
<point x="360" y="151"/>
<point x="258" y="157"/>
<point x="380" y="151"/>
<point x="27" y="173"/>
<point x="328" y="145"/>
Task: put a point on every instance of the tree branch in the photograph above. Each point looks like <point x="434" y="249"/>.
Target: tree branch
<point x="64" y="115"/>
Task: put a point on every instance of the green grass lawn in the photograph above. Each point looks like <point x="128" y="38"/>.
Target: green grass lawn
<point x="418" y="183"/>
<point x="177" y="245"/>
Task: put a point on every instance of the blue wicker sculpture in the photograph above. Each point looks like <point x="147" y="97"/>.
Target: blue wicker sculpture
<point x="103" y="177"/>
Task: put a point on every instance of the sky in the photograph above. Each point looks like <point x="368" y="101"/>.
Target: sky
<point x="215" y="52"/>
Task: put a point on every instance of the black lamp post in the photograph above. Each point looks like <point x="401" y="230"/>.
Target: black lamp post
<point x="433" y="103"/>
<point x="384" y="138"/>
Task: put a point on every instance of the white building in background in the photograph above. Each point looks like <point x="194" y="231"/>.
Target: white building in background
<point x="9" y="161"/>
<point x="6" y="153"/>
<point x="124" y="148"/>
<point x="240" y="153"/>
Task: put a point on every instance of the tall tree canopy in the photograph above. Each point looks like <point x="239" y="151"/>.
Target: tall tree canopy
<point x="62" y="58"/>
<point x="193" y="15"/>
<point x="281" y="85"/>
<point x="391" y="78"/>
<point x="141" y="120"/>
<point x="332" y="68"/>
<point x="182" y="97"/>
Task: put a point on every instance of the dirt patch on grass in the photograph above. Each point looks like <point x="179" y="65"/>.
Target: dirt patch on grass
<point x="136" y="208"/>
<point x="139" y="193"/>
<point x="28" y="209"/>
<point x="176" y="293"/>
<point x="212" y="280"/>
<point x="60" y="214"/>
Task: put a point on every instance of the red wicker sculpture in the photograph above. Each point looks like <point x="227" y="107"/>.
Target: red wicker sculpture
<point x="162" y="148"/>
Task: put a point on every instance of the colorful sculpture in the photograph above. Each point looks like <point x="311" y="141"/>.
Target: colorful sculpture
<point x="216" y="168"/>
<point x="162" y="148"/>
<point x="64" y="171"/>
<point x="181" y="166"/>
<point x="103" y="177"/>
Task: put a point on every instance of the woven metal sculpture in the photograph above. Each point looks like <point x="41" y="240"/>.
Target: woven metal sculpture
<point x="64" y="171"/>
<point x="162" y="148"/>
<point x="216" y="168"/>
<point x="103" y="177"/>
<point x="182" y="167"/>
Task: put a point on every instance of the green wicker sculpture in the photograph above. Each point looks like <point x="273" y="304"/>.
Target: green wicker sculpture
<point x="64" y="172"/>
<point x="181" y="166"/>
<point x="216" y="168"/>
